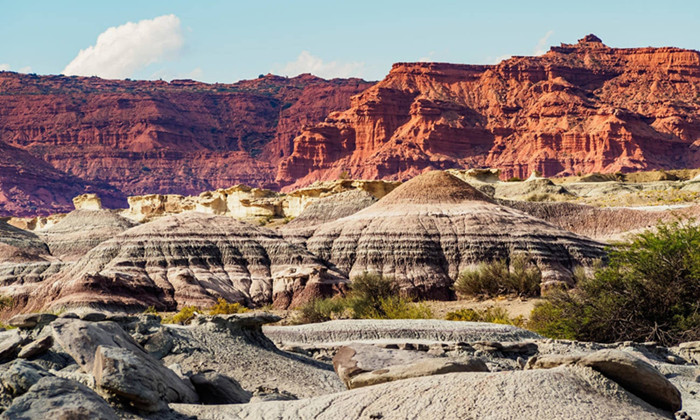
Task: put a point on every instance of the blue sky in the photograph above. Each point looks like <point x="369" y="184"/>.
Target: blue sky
<point x="225" y="41"/>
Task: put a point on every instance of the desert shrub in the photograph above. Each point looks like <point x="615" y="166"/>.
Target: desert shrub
<point x="520" y="277"/>
<point x="649" y="291"/>
<point x="372" y="296"/>
<point x="491" y="314"/>
<point x="514" y="179"/>
<point x="151" y="310"/>
<point x="396" y="307"/>
<point x="321" y="310"/>
<point x="222" y="307"/>
<point x="367" y="292"/>
<point x="184" y="316"/>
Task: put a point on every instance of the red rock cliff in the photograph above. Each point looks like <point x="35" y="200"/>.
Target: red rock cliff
<point x="578" y="108"/>
<point x="62" y="136"/>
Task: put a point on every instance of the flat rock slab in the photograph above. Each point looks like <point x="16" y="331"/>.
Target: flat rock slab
<point x="360" y="365"/>
<point x="346" y="331"/>
<point x="560" y="393"/>
<point x="36" y="348"/>
<point x="633" y="373"/>
<point x="27" y="321"/>
<point x="58" y="398"/>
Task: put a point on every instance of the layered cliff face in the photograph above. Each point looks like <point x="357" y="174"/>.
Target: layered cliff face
<point x="187" y="259"/>
<point x="62" y="136"/>
<point x="578" y="108"/>
<point x="433" y="227"/>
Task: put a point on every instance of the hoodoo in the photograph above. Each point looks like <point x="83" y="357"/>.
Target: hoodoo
<point x="428" y="230"/>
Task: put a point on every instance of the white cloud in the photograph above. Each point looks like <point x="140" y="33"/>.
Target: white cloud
<point x="4" y="67"/>
<point x="307" y="63"/>
<point x="428" y="58"/>
<point x="25" y="69"/>
<point x="120" y="51"/>
<point x="542" y="44"/>
<point x="496" y="60"/>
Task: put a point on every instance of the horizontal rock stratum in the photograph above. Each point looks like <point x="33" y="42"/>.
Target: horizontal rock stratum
<point x="580" y="107"/>
<point x="435" y="226"/>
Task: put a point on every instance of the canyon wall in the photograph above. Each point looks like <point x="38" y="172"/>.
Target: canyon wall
<point x="63" y="136"/>
<point x="579" y="108"/>
<point x="583" y="108"/>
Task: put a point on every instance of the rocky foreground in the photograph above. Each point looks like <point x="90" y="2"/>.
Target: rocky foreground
<point x="97" y="366"/>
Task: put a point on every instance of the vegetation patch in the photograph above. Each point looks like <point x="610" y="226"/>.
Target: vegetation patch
<point x="649" y="291"/>
<point x="519" y="276"/>
<point x="491" y="314"/>
<point x="372" y="296"/>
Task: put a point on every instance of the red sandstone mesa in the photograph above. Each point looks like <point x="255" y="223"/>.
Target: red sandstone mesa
<point x="584" y="107"/>
<point x="578" y="108"/>
<point x="61" y="136"/>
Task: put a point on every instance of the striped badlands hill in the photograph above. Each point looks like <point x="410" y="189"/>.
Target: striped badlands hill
<point x="186" y="259"/>
<point x="428" y="230"/>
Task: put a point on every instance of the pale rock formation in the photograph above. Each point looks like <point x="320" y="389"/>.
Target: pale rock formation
<point x="87" y="202"/>
<point x="431" y="228"/>
<point x="561" y="393"/>
<point x="360" y="365"/>
<point x="189" y="259"/>
<point x="248" y="203"/>
<point x="143" y="208"/>
<point x="299" y="199"/>
<point x="634" y="374"/>
<point x="81" y="230"/>
<point x="35" y="224"/>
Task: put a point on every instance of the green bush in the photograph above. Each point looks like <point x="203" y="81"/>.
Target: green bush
<point x="367" y="292"/>
<point x="490" y="314"/>
<point x="222" y="307"/>
<point x="649" y="291"/>
<point x="184" y="317"/>
<point x="372" y="296"/>
<point x="521" y="277"/>
<point x="321" y="310"/>
<point x="396" y="307"/>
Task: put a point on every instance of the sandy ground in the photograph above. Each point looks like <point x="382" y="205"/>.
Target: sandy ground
<point x="514" y="306"/>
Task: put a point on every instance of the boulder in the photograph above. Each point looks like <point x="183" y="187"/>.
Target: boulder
<point x="16" y="378"/>
<point x="93" y="316"/>
<point x="80" y="339"/>
<point x="36" y="348"/>
<point x="58" y="398"/>
<point x="28" y="321"/>
<point x="633" y="373"/>
<point x="361" y="365"/>
<point x="10" y="344"/>
<point x="138" y="380"/>
<point x="690" y="350"/>
<point x="215" y="388"/>
<point x="119" y="365"/>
